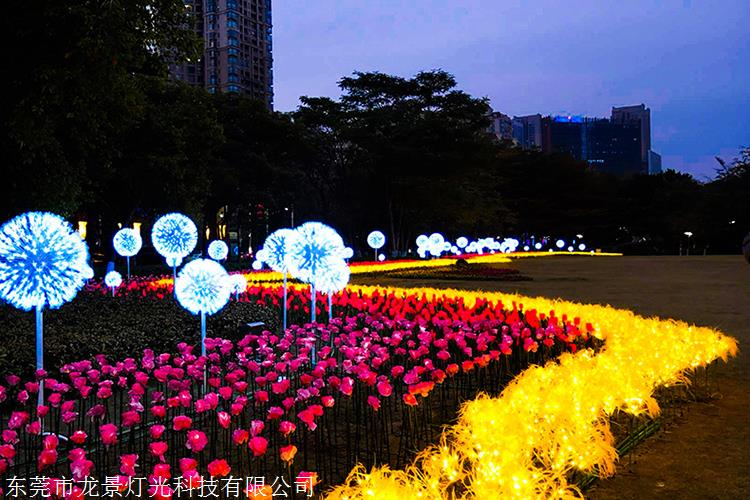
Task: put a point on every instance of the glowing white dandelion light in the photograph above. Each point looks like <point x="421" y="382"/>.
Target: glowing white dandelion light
<point x="43" y="262"/>
<point x="218" y="250"/>
<point x="275" y="249"/>
<point x="174" y="235"/>
<point x="313" y="253"/>
<point x="202" y="287"/>
<point x="127" y="242"/>
<point x="237" y="284"/>
<point x="113" y="279"/>
<point x="462" y="242"/>
<point x="560" y="244"/>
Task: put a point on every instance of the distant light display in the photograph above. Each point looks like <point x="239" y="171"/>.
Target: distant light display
<point x="43" y="261"/>
<point x="381" y="257"/>
<point x="218" y="250"/>
<point x="376" y="240"/>
<point x="560" y="244"/>
<point x="174" y="235"/>
<point x="538" y="246"/>
<point x="127" y="242"/>
<point x="422" y="240"/>
<point x="582" y="247"/>
<point x="257" y="265"/>
<point x="462" y="242"/>
<point x="202" y="286"/>
<point x="113" y="279"/>
<point x="348" y="253"/>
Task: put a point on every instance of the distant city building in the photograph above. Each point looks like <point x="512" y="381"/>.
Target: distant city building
<point x="607" y="146"/>
<point x="619" y="145"/>
<point x="501" y="126"/>
<point x="527" y="131"/>
<point x="654" y="163"/>
<point x="642" y="115"/>
<point x="238" y="48"/>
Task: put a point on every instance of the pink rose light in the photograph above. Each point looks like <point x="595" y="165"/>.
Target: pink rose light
<point x="196" y="441"/>
<point x="108" y="432"/>
<point x="258" y="445"/>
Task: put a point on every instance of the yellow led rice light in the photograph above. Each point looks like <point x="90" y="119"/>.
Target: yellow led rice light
<point x="550" y="420"/>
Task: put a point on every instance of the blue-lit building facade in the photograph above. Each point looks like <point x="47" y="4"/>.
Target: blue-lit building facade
<point x="619" y="145"/>
<point x="238" y="44"/>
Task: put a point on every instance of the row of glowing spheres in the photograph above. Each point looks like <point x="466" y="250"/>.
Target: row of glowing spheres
<point x="313" y="253"/>
<point x="436" y="245"/>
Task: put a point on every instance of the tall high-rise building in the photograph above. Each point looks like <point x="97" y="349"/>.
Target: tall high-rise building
<point x="606" y="145"/>
<point x="642" y="115"/>
<point x="238" y="48"/>
<point x="527" y="131"/>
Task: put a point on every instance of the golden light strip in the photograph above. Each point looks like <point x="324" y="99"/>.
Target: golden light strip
<point x="550" y="420"/>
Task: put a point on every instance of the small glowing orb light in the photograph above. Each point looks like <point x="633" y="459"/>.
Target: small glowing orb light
<point x="538" y="246"/>
<point x="560" y="243"/>
<point x="316" y="249"/>
<point x="376" y="240"/>
<point x="43" y="261"/>
<point x="348" y="253"/>
<point x="422" y="240"/>
<point x="174" y="235"/>
<point x="257" y="265"/>
<point x="218" y="250"/>
<point x="570" y="248"/>
<point x="113" y="279"/>
<point x="582" y="247"/>
<point x="381" y="257"/>
<point x="462" y="242"/>
<point x="275" y="249"/>
<point x="202" y="287"/>
<point x="526" y="248"/>
<point x="437" y="239"/>
<point x="127" y="242"/>
<point x="237" y="284"/>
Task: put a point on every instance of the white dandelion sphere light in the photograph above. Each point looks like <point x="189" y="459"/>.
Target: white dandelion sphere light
<point x="218" y="250"/>
<point x="376" y="240"/>
<point x="43" y="261"/>
<point x="202" y="287"/>
<point x="237" y="283"/>
<point x="316" y="249"/>
<point x="462" y="242"/>
<point x="174" y="235"/>
<point x="334" y="280"/>
<point x="174" y="261"/>
<point x="127" y="242"/>
<point x="275" y="251"/>
<point x="113" y="279"/>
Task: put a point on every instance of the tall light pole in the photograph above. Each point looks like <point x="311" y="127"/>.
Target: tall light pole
<point x="688" y="234"/>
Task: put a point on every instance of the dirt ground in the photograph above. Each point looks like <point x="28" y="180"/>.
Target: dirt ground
<point x="705" y="453"/>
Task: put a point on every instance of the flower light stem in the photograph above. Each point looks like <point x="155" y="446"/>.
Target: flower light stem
<point x="40" y="350"/>
<point x="285" y="296"/>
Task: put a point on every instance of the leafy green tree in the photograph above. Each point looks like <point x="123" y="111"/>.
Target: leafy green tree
<point x="74" y="88"/>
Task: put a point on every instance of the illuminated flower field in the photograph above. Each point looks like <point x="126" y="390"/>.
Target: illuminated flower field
<point x="391" y="367"/>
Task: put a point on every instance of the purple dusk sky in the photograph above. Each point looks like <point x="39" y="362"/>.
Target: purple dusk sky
<point x="686" y="60"/>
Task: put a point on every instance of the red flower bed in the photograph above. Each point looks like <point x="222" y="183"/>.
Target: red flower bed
<point x="371" y="383"/>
